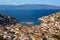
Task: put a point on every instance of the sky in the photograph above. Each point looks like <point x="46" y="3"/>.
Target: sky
<point x="23" y="2"/>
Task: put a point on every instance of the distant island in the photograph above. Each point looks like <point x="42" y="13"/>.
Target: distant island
<point x="29" y="6"/>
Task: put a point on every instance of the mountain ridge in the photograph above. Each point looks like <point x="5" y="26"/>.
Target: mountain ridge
<point x="31" y="6"/>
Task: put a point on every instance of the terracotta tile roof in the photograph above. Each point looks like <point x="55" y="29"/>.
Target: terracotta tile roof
<point x="38" y="36"/>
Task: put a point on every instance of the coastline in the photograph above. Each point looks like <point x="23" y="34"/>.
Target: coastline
<point x="48" y="29"/>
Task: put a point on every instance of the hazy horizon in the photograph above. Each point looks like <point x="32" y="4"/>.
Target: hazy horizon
<point x="24" y="2"/>
<point x="35" y="4"/>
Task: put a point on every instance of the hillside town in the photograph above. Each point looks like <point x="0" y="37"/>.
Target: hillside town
<point x="49" y="29"/>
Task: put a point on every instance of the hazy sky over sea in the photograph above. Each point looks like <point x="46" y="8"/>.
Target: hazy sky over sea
<point x="22" y="2"/>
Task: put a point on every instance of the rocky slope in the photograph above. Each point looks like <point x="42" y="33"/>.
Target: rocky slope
<point x="4" y="20"/>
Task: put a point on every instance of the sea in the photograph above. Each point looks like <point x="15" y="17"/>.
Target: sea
<point x="29" y="16"/>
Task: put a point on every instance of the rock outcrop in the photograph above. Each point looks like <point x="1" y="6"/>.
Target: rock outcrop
<point x="6" y="20"/>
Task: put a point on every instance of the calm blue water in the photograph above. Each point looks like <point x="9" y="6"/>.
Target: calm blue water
<point x="28" y="15"/>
